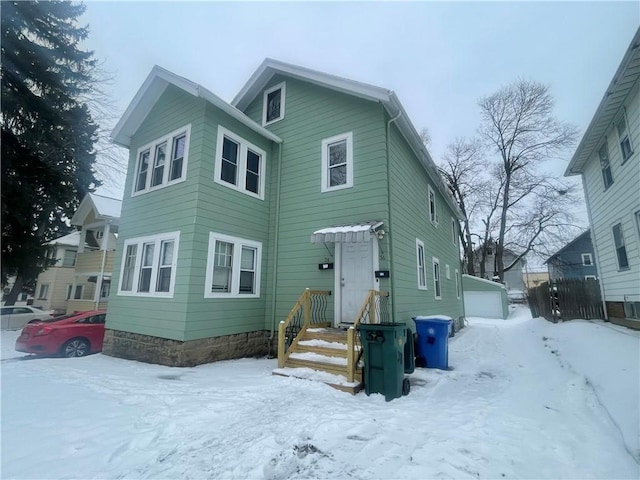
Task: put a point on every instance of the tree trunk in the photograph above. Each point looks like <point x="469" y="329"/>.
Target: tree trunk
<point x="503" y="226"/>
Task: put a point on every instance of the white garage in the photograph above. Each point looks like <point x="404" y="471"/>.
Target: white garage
<point x="484" y="298"/>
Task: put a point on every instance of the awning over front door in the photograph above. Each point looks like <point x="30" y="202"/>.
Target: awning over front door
<point x="353" y="233"/>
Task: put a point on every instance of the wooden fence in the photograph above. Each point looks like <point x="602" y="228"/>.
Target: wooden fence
<point x="566" y="300"/>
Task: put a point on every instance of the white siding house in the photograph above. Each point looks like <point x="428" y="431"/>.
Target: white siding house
<point x="608" y="158"/>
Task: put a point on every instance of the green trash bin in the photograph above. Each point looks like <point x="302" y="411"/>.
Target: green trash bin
<point x="384" y="359"/>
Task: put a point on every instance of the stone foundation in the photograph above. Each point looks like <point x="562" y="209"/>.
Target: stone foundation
<point x="175" y="353"/>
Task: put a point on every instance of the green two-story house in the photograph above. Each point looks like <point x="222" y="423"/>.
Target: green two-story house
<point x="231" y="211"/>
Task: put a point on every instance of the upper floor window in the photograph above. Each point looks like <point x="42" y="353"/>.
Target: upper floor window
<point x="233" y="267"/>
<point x="605" y="165"/>
<point x="240" y="165"/>
<point x="273" y="104"/>
<point x="623" y="135"/>
<point x="162" y="162"/>
<point x="433" y="208"/>
<point x="621" y="249"/>
<point x="337" y="162"/>
<point x="69" y="259"/>
<point x="44" y="291"/>
<point x="454" y="231"/>
<point x="149" y="265"/>
<point x="587" y="261"/>
<point x="422" y="269"/>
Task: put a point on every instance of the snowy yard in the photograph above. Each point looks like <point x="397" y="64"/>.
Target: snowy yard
<point x="524" y="399"/>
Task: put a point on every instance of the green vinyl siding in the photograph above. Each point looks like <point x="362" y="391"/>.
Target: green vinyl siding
<point x="410" y="220"/>
<point x="313" y="113"/>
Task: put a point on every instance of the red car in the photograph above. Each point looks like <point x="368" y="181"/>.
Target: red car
<point x="73" y="335"/>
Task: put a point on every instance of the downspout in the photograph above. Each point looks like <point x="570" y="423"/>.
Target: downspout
<point x="274" y="277"/>
<point x="390" y="237"/>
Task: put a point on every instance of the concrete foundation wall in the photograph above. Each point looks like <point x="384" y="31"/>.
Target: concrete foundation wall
<point x="174" y="353"/>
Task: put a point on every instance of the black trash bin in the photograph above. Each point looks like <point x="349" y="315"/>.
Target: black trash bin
<point x="384" y="359"/>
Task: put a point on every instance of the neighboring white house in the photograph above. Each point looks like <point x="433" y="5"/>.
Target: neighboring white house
<point x="608" y="158"/>
<point x="54" y="286"/>
<point x="513" y="278"/>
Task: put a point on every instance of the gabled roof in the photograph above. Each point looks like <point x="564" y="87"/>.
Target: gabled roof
<point x="387" y="98"/>
<point x="150" y="92"/>
<point x="624" y="80"/>
<point x="72" y="240"/>
<point x="568" y="245"/>
<point x="104" y="208"/>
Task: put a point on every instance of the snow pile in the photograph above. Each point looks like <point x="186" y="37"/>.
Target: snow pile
<point x="524" y="399"/>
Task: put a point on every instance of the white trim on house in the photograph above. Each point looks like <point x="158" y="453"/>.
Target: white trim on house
<point x="437" y="279"/>
<point x="159" y="242"/>
<point x="327" y="143"/>
<point x="586" y="256"/>
<point x="454" y="231"/>
<point x="236" y="267"/>
<point x="448" y="270"/>
<point x="244" y="147"/>
<point x="283" y="90"/>
<point x="458" y="279"/>
<point x="433" y="206"/>
<point x="592" y="277"/>
<point x="421" y="265"/>
<point x="152" y="148"/>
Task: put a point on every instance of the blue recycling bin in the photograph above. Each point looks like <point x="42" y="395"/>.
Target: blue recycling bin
<point x="432" y="348"/>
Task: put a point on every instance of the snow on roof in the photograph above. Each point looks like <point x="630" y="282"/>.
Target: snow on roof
<point x="358" y="232"/>
<point x="106" y="206"/>
<point x="72" y="239"/>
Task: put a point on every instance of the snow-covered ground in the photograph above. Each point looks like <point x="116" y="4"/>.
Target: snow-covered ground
<point x="524" y="399"/>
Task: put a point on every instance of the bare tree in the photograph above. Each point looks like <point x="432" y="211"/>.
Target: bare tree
<point x="517" y="124"/>
<point x="425" y="136"/>
<point x="461" y="164"/>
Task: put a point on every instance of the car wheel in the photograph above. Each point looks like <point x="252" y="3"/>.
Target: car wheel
<point x="76" y="347"/>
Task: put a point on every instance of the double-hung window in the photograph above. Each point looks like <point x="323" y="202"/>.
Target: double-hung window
<point x="436" y="278"/>
<point x="433" y="209"/>
<point x="149" y="265"/>
<point x="605" y="165"/>
<point x="273" y="104"/>
<point x="162" y="162"/>
<point x="233" y="267"/>
<point x="621" y="249"/>
<point x="587" y="261"/>
<point x="240" y="165"/>
<point x="457" y="284"/>
<point x="454" y="231"/>
<point x="623" y="136"/>
<point x="422" y="269"/>
<point x="337" y="162"/>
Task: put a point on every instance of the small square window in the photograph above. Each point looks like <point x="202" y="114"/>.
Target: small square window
<point x="587" y="261"/>
<point x="273" y="104"/>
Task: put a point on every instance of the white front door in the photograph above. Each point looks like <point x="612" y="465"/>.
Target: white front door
<point x="356" y="278"/>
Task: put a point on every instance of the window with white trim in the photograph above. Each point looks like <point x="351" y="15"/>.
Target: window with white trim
<point x="623" y="137"/>
<point x="587" y="261"/>
<point x="69" y="259"/>
<point x="620" y="246"/>
<point x="590" y="277"/>
<point x="436" y="278"/>
<point x="420" y="263"/>
<point x="433" y="208"/>
<point x="273" y="104"/>
<point x="43" y="292"/>
<point x="149" y="265"/>
<point x="337" y="162"/>
<point x="457" y="273"/>
<point x="605" y="165"/>
<point x="233" y="267"/>
<point x="162" y="162"/>
<point x="240" y="165"/>
<point x="78" y="292"/>
<point x="454" y="231"/>
<point x="448" y="270"/>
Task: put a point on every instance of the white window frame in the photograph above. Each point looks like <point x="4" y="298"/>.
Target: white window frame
<point x="623" y="136"/>
<point x="241" y="174"/>
<point x="433" y="206"/>
<point x="152" y="148"/>
<point x="64" y="258"/>
<point x="420" y="256"/>
<point x="437" y="280"/>
<point x="238" y="243"/>
<point x="448" y="270"/>
<point x="592" y="277"/>
<point x="457" y="273"/>
<point x="585" y="256"/>
<point x="280" y="86"/>
<point x="454" y="231"/>
<point x="605" y="148"/>
<point x="624" y="245"/>
<point x="325" y="161"/>
<point x="157" y="240"/>
<point x="43" y="291"/>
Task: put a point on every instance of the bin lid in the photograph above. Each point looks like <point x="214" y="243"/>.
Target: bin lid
<point x="433" y="318"/>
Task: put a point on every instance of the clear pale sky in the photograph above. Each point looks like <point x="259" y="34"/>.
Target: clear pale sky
<point x="438" y="57"/>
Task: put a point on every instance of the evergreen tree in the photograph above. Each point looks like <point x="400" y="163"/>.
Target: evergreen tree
<point x="48" y="133"/>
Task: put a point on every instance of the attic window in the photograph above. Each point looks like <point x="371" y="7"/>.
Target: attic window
<point x="273" y="104"/>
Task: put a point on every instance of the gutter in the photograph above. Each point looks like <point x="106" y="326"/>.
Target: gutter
<point x="390" y="237"/>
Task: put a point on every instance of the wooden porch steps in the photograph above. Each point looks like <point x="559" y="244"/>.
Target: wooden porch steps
<point x="321" y="355"/>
